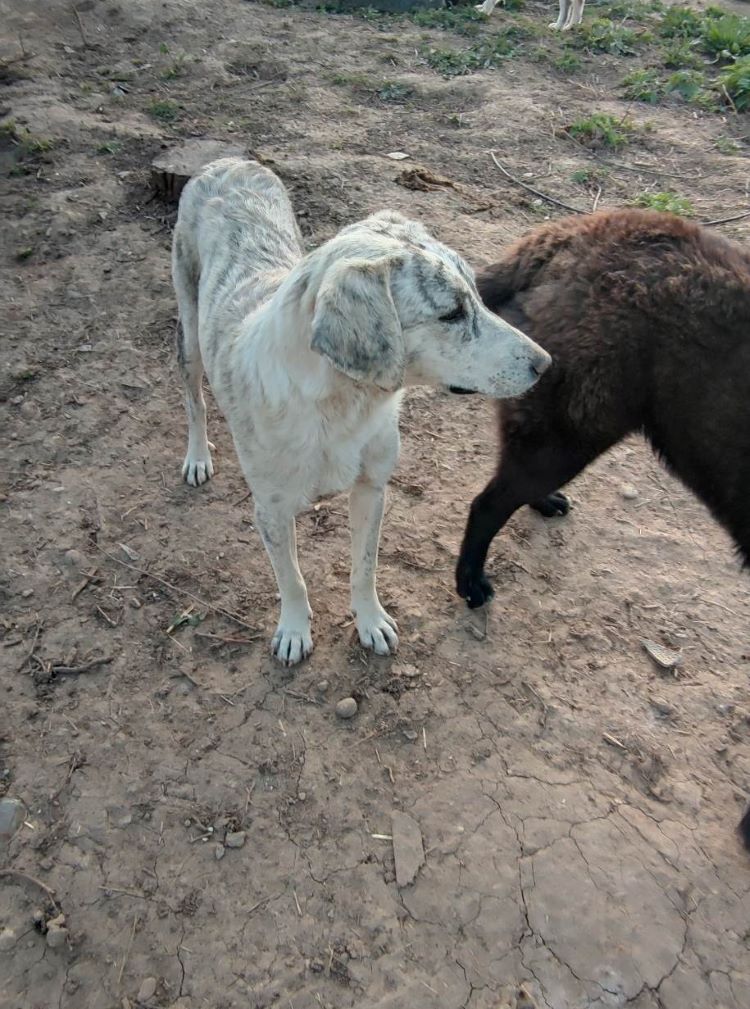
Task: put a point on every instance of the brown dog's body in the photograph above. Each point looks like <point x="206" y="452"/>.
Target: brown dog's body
<point x="647" y="319"/>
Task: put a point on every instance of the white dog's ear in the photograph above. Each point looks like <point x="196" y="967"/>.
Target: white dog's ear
<point x="355" y="323"/>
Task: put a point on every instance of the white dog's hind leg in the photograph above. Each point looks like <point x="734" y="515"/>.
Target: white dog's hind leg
<point x="377" y="629"/>
<point x="487" y="7"/>
<point x="292" y="641"/>
<point x="197" y="467"/>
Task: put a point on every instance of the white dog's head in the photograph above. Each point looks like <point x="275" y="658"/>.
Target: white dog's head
<point x="395" y="307"/>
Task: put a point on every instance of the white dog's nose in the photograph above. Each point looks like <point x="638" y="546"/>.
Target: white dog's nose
<point x="540" y="363"/>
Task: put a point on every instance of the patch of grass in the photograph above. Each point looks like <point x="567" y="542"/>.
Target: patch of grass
<point x="728" y="35"/>
<point x="176" y="68"/>
<point x="394" y="91"/>
<point x="734" y="83"/>
<point x="634" y="10"/>
<point x="680" y="54"/>
<point x="688" y="84"/>
<point x="358" y="81"/>
<point x="643" y="86"/>
<point x="681" y="23"/>
<point x="605" y="36"/>
<point x="109" y="147"/>
<point x="670" y="203"/>
<point x="567" y="63"/>
<point x="725" y="145"/>
<point x="24" y="253"/>
<point x="30" y="145"/>
<point x="453" y="62"/>
<point x="589" y="177"/>
<point x="485" y="54"/>
<point x="464" y="20"/>
<point x="163" y="109"/>
<point x="600" y="129"/>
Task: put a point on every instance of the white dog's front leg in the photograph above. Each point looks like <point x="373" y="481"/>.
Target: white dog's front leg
<point x="292" y="641"/>
<point x="377" y="629"/>
<point x="487" y="7"/>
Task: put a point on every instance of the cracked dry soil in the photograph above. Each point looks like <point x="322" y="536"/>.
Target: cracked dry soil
<point x="576" y="803"/>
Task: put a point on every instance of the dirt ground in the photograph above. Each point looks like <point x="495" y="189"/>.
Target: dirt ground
<point x="213" y="835"/>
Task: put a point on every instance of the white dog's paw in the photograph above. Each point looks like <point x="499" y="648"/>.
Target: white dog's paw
<point x="198" y="467"/>
<point x="292" y="642"/>
<point x="377" y="630"/>
<point x="556" y="27"/>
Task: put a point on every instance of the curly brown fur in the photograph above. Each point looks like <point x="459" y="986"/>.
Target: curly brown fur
<point x="647" y="319"/>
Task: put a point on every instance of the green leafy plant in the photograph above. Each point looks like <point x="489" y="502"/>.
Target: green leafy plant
<point x="688" y="84"/>
<point x="734" y="83"/>
<point x="164" y="110"/>
<point x="727" y="36"/>
<point x="643" y="86"/>
<point x="666" y="202"/>
<point x="601" y="129"/>
<point x="603" y="35"/>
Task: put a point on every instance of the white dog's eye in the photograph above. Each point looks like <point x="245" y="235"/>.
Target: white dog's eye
<point x="458" y="313"/>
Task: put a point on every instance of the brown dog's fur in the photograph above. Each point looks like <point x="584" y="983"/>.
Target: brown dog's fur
<point x="647" y="319"/>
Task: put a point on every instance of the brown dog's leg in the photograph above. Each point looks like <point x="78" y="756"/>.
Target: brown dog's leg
<point x="526" y="474"/>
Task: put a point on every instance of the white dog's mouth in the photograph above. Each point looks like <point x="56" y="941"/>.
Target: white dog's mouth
<point x="457" y="390"/>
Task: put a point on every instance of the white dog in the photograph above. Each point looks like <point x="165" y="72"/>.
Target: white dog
<point x="306" y="356"/>
<point x="571" y="13"/>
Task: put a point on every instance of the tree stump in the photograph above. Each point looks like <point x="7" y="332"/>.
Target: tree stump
<point x="172" y="169"/>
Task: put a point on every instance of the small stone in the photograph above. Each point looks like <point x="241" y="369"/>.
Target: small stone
<point x="408" y="849"/>
<point x="8" y="939"/>
<point x="235" y="839"/>
<point x="75" y="558"/>
<point x="219" y="852"/>
<point x="322" y="686"/>
<point x="27" y="593"/>
<point x="12" y="815"/>
<point x="346" y="708"/>
<point x="147" y="990"/>
<point x="57" y="934"/>
<point x="629" y="492"/>
<point x="661" y="707"/>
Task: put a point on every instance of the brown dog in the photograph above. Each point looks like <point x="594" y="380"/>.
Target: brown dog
<point x="647" y="319"/>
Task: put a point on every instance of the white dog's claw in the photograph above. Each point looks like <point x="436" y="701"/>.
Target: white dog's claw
<point x="197" y="471"/>
<point x="291" y="646"/>
<point x="378" y="631"/>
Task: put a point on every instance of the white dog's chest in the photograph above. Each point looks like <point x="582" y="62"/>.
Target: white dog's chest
<point x="306" y="455"/>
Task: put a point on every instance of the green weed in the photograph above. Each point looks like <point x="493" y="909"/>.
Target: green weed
<point x="734" y="83"/>
<point x="667" y="202"/>
<point x="643" y="86"/>
<point x="601" y="130"/>
<point x="165" y="110"/>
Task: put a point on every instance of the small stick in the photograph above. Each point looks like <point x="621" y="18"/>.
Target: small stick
<point x="127" y="951"/>
<point x="174" y="588"/>
<point x="84" y="584"/>
<point x="262" y="901"/>
<point x="300" y="697"/>
<point x="80" y="28"/>
<point x="37" y="882"/>
<point x="127" y="893"/>
<point x="613" y="741"/>
<point x="726" y="220"/>
<point x="83" y="668"/>
<point x="596" y="199"/>
<point x="225" y="640"/>
<point x="107" y="617"/>
<point x="536" y="192"/>
<point x="30" y="653"/>
<point x="296" y="901"/>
